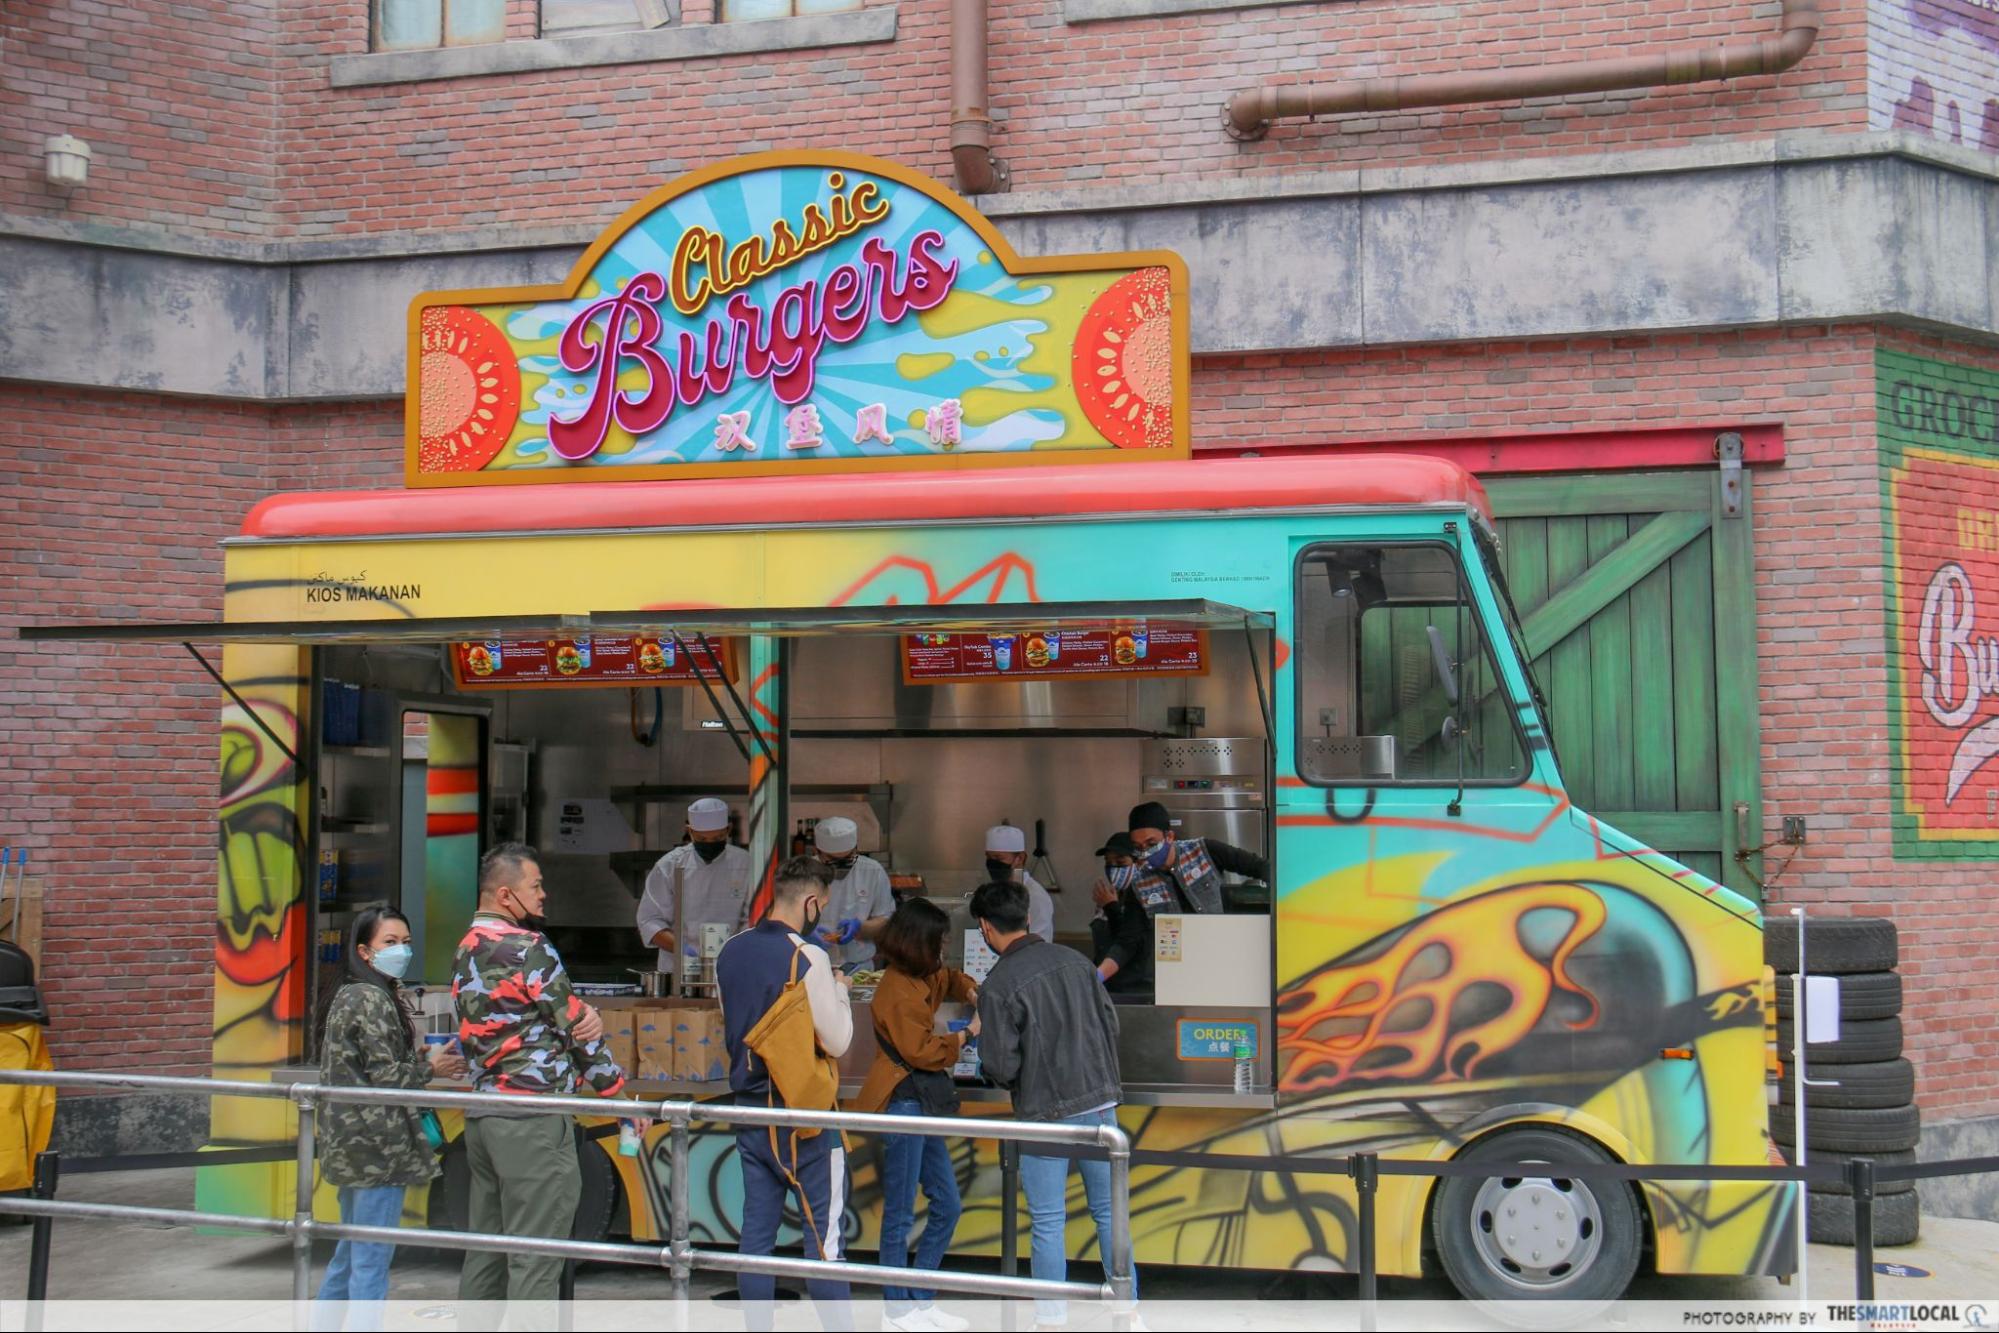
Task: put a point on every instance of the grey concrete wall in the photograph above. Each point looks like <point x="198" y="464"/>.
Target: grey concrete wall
<point x="1882" y="227"/>
<point x="1960" y="1196"/>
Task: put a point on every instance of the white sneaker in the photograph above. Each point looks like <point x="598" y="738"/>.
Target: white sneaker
<point x="916" y="1321"/>
<point x="943" y="1322"/>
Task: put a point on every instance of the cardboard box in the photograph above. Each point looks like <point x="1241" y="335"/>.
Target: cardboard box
<point x="700" y="1053"/>
<point x="653" y="1039"/>
<point x="621" y="1033"/>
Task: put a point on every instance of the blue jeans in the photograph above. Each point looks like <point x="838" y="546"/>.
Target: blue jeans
<point x="1045" y="1180"/>
<point x="906" y="1160"/>
<point x="360" y="1270"/>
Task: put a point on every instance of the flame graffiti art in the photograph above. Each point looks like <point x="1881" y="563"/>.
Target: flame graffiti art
<point x="1436" y="998"/>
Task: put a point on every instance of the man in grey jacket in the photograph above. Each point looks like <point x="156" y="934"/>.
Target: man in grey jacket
<point x="1049" y="1037"/>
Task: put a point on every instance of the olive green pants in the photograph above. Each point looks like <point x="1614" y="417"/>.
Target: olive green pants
<point x="525" y="1182"/>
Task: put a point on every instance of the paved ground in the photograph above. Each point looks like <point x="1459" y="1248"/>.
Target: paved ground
<point x="117" y="1261"/>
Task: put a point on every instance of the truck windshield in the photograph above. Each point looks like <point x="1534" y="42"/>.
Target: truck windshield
<point x="1488" y="554"/>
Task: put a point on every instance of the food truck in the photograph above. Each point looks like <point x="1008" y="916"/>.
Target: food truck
<point x="807" y="492"/>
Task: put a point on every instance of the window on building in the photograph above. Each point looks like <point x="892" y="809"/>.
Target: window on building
<point x="575" y="18"/>
<point x="1387" y="635"/>
<point x="748" y="11"/>
<point x="415" y="25"/>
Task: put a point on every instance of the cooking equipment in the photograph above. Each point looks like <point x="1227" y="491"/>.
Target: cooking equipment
<point x="1213" y="788"/>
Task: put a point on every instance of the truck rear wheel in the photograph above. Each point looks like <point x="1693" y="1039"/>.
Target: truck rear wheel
<point x="1537" y="1237"/>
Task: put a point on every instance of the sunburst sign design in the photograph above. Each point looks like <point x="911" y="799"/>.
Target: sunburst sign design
<point x="470" y="390"/>
<point x="1123" y="361"/>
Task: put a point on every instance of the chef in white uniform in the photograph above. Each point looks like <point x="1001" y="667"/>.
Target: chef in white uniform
<point x="1006" y="858"/>
<point x="714" y="876"/>
<point x="861" y="904"/>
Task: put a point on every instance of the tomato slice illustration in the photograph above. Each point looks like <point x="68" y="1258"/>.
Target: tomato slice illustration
<point x="1123" y="361"/>
<point x="468" y="391"/>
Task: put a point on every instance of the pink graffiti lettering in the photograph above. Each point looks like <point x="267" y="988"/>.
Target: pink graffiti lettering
<point x="781" y="344"/>
<point x="1960" y="671"/>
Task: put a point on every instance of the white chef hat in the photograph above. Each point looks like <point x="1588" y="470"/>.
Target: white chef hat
<point x="836" y="836"/>
<point x="1005" y="838"/>
<point x="708" y="815"/>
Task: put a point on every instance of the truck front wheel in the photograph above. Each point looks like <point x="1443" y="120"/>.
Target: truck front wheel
<point x="1542" y="1236"/>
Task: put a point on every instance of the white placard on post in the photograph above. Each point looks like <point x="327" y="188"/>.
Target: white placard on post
<point x="1821" y="1010"/>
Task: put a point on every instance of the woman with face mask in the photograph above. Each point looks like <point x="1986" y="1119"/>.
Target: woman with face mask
<point x="373" y="1153"/>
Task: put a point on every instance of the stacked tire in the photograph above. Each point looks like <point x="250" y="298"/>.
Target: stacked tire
<point x="1869" y="1108"/>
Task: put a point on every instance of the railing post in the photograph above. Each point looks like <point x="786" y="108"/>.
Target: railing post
<point x="1009" y="1194"/>
<point x="680" y="1159"/>
<point x="1122" y="1285"/>
<point x="48" y="1170"/>
<point x="308" y="1111"/>
<point x="1860" y="1179"/>
<point x="1365" y="1168"/>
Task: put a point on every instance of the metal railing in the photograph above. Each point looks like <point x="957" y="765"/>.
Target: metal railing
<point x="679" y="1256"/>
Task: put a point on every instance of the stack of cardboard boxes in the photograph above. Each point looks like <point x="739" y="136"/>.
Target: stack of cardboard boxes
<point x="677" y="1041"/>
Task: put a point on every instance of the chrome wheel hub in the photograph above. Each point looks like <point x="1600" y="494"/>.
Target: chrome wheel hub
<point x="1538" y="1233"/>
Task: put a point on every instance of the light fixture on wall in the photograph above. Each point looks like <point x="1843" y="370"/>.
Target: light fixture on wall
<point x="68" y="160"/>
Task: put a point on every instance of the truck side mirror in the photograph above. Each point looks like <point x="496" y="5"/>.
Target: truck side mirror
<point x="1446" y="673"/>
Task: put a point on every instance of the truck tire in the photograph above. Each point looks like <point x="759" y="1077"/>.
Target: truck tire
<point x="1829" y="1219"/>
<point x="1861" y="996"/>
<point x="1833" y="945"/>
<point x="1867" y="1041"/>
<point x="1581" y="1239"/>
<point x="1902" y="1158"/>
<point x="1842" y="1129"/>
<point x="1878" y="1084"/>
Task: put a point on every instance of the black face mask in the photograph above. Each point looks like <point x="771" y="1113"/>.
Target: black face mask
<point x="998" y="870"/>
<point x="840" y="868"/>
<point x="708" y="851"/>
<point x="535" y="922"/>
<point x="812" y="918"/>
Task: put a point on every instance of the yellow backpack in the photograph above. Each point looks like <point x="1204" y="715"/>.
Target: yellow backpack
<point x="808" y="1079"/>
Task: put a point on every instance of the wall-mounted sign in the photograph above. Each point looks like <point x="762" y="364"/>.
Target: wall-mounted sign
<point x="935" y="659"/>
<point x="1207" y="1039"/>
<point x="1938" y="426"/>
<point x="799" y="312"/>
<point x="592" y="659"/>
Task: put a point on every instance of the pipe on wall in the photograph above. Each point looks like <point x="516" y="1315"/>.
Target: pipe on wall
<point x="976" y="169"/>
<point x="1249" y="114"/>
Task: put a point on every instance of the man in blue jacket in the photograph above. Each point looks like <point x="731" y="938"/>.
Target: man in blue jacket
<point x="752" y="970"/>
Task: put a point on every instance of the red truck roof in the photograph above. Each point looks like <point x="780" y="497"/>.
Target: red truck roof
<point x="1373" y="480"/>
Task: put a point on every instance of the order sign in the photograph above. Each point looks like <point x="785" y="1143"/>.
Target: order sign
<point x="596" y="659"/>
<point x="1045" y="654"/>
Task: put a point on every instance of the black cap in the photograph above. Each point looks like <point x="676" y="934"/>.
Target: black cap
<point x="1118" y="844"/>
<point x="1150" y="815"/>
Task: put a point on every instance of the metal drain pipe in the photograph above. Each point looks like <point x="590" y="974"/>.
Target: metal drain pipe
<point x="972" y="161"/>
<point x="1249" y="114"/>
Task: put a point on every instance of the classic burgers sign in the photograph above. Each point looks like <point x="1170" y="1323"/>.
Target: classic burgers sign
<point x="800" y="312"/>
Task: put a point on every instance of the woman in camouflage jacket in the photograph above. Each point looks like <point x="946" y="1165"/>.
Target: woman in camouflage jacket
<point x="374" y="1153"/>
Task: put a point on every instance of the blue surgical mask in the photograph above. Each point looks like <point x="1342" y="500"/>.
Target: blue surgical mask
<point x="1156" y="858"/>
<point x="393" y="961"/>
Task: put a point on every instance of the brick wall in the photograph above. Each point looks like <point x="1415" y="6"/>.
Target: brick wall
<point x="179" y="104"/>
<point x="123" y="810"/>
<point x="1076" y="104"/>
<point x="219" y="118"/>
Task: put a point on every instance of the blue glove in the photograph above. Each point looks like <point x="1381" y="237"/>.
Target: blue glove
<point x="690" y="949"/>
<point x="957" y="1024"/>
<point x="850" y="930"/>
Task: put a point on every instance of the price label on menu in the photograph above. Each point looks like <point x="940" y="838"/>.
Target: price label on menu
<point x="1137" y="650"/>
<point x="593" y="659"/>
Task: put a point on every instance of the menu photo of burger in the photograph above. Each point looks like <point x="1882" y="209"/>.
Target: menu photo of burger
<point x="482" y="659"/>
<point x="654" y="657"/>
<point x="572" y="658"/>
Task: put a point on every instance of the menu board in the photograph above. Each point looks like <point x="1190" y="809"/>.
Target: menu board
<point x="1135" y="650"/>
<point x="592" y="659"/>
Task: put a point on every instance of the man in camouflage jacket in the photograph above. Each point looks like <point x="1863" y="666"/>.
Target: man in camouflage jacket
<point x="524" y="1032"/>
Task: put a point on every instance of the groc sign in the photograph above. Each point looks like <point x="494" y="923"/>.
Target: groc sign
<point x="788" y="312"/>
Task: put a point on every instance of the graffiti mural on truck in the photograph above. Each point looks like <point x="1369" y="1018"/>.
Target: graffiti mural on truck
<point x="1438" y="976"/>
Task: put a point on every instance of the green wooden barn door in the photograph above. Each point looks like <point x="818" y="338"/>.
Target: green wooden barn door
<point x="1636" y="596"/>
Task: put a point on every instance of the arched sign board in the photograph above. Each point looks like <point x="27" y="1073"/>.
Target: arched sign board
<point x="800" y="312"/>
